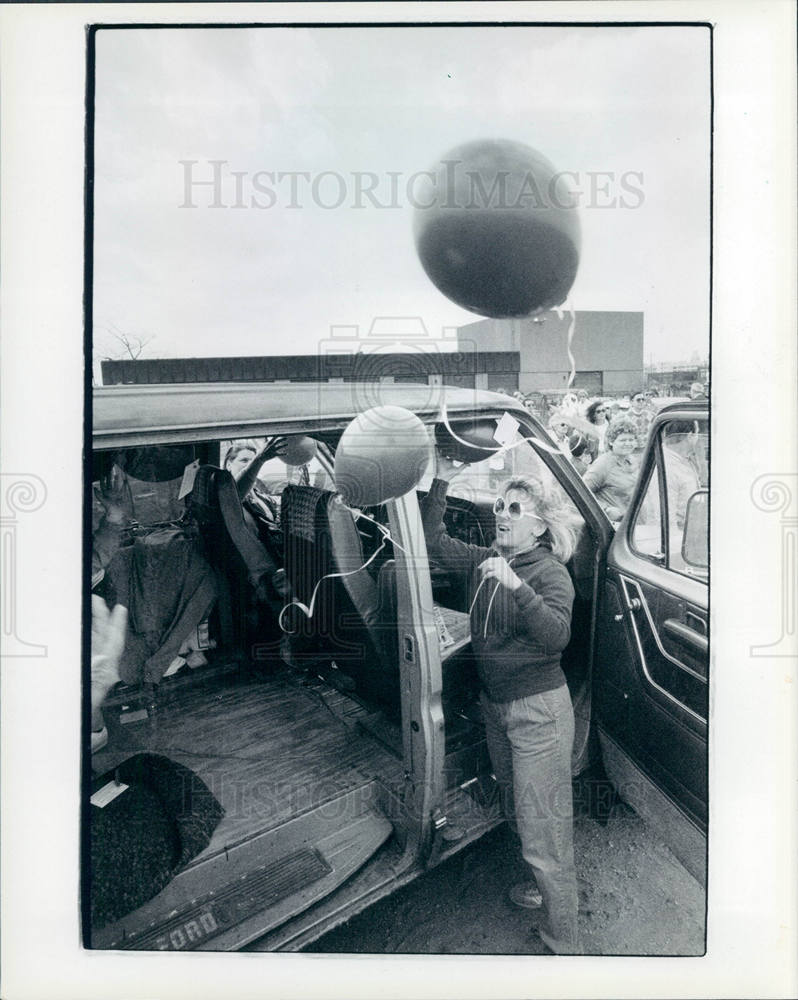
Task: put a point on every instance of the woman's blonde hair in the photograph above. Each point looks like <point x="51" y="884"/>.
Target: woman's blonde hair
<point x="559" y="533"/>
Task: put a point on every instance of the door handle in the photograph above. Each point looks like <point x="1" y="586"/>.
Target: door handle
<point x="685" y="635"/>
<point x="696" y="621"/>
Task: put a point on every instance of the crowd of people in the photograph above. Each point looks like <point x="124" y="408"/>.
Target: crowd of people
<point x="604" y="438"/>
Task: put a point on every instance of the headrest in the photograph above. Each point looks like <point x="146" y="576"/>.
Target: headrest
<point x="298" y="510"/>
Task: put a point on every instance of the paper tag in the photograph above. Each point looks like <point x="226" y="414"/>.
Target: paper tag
<point x="189" y="475"/>
<point x="108" y="793"/>
<point x="444" y="635"/>
<point x="505" y="429"/>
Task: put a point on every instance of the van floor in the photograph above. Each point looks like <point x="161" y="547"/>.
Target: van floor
<point x="269" y="748"/>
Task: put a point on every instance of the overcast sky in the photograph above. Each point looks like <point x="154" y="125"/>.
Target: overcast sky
<point x="625" y="109"/>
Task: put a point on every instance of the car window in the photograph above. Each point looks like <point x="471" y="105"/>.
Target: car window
<point x="274" y="475"/>
<point x="679" y="482"/>
<point x="153" y="476"/>
<point x="481" y="482"/>
<point x="646" y="532"/>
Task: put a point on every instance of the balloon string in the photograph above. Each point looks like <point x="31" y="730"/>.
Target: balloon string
<point x="570" y="337"/>
<point x="307" y="610"/>
<point x="386" y="534"/>
<point x="499" y="449"/>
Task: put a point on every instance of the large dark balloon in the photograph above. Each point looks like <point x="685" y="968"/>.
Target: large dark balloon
<point x="496" y="229"/>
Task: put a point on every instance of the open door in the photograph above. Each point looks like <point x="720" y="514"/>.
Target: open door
<point x="652" y="667"/>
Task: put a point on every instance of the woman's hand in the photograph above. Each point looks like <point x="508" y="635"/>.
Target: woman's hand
<point x="445" y="467"/>
<point x="497" y="568"/>
<point x="115" y="497"/>
<point x="274" y="446"/>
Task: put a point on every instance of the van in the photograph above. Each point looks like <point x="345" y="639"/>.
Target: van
<point x="304" y="672"/>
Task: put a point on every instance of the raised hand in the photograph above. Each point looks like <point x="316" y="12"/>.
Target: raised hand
<point x="446" y="468"/>
<point x="274" y="446"/>
<point x="114" y="495"/>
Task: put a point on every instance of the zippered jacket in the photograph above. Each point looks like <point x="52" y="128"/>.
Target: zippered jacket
<point x="517" y="636"/>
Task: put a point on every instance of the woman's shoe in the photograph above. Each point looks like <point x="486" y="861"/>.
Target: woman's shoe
<point x="527" y="895"/>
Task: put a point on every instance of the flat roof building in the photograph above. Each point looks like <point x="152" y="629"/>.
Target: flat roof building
<point x="607" y="348"/>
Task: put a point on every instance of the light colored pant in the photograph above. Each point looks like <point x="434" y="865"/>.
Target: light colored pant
<point x="530" y="742"/>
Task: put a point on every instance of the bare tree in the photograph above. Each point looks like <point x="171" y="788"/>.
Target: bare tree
<point x="127" y="345"/>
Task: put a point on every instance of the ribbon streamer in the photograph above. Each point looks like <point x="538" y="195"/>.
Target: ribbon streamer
<point x="570" y="336"/>
<point x="500" y="448"/>
<point x="308" y="609"/>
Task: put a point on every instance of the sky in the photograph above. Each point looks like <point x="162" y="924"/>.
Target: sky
<point x="245" y="265"/>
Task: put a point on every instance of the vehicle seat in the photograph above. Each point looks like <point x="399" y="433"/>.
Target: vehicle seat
<point x="351" y="625"/>
<point x="232" y="548"/>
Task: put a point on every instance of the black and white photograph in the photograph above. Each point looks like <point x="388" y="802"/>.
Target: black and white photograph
<point x="401" y="547"/>
<point x="400" y="472"/>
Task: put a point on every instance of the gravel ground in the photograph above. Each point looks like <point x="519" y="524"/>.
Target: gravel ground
<point x="635" y="898"/>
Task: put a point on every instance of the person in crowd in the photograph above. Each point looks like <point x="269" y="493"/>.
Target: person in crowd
<point x="697" y="391"/>
<point x="681" y="475"/>
<point x="570" y="442"/>
<point x="108" y="630"/>
<point x="521" y="600"/>
<point x="560" y="430"/>
<point x="596" y="415"/>
<point x="244" y="461"/>
<point x="619" y="407"/>
<point x="640" y="415"/>
<point x="612" y="477"/>
<point x="569" y="403"/>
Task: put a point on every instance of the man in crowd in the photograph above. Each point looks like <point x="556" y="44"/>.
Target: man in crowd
<point x="641" y="416"/>
<point x="681" y="477"/>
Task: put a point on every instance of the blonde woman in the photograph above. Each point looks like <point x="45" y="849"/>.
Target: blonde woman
<point x="521" y="598"/>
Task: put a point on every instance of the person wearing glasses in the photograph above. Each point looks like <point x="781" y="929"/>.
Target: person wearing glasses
<point x="597" y="415"/>
<point x="520" y="603"/>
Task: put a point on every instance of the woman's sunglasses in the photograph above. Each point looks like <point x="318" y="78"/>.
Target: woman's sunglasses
<point x="513" y="509"/>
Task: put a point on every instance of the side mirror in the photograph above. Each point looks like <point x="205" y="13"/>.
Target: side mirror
<point x="695" y="541"/>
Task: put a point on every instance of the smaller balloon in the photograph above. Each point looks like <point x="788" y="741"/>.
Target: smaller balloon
<point x="299" y="450"/>
<point x="472" y="443"/>
<point x="382" y="454"/>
